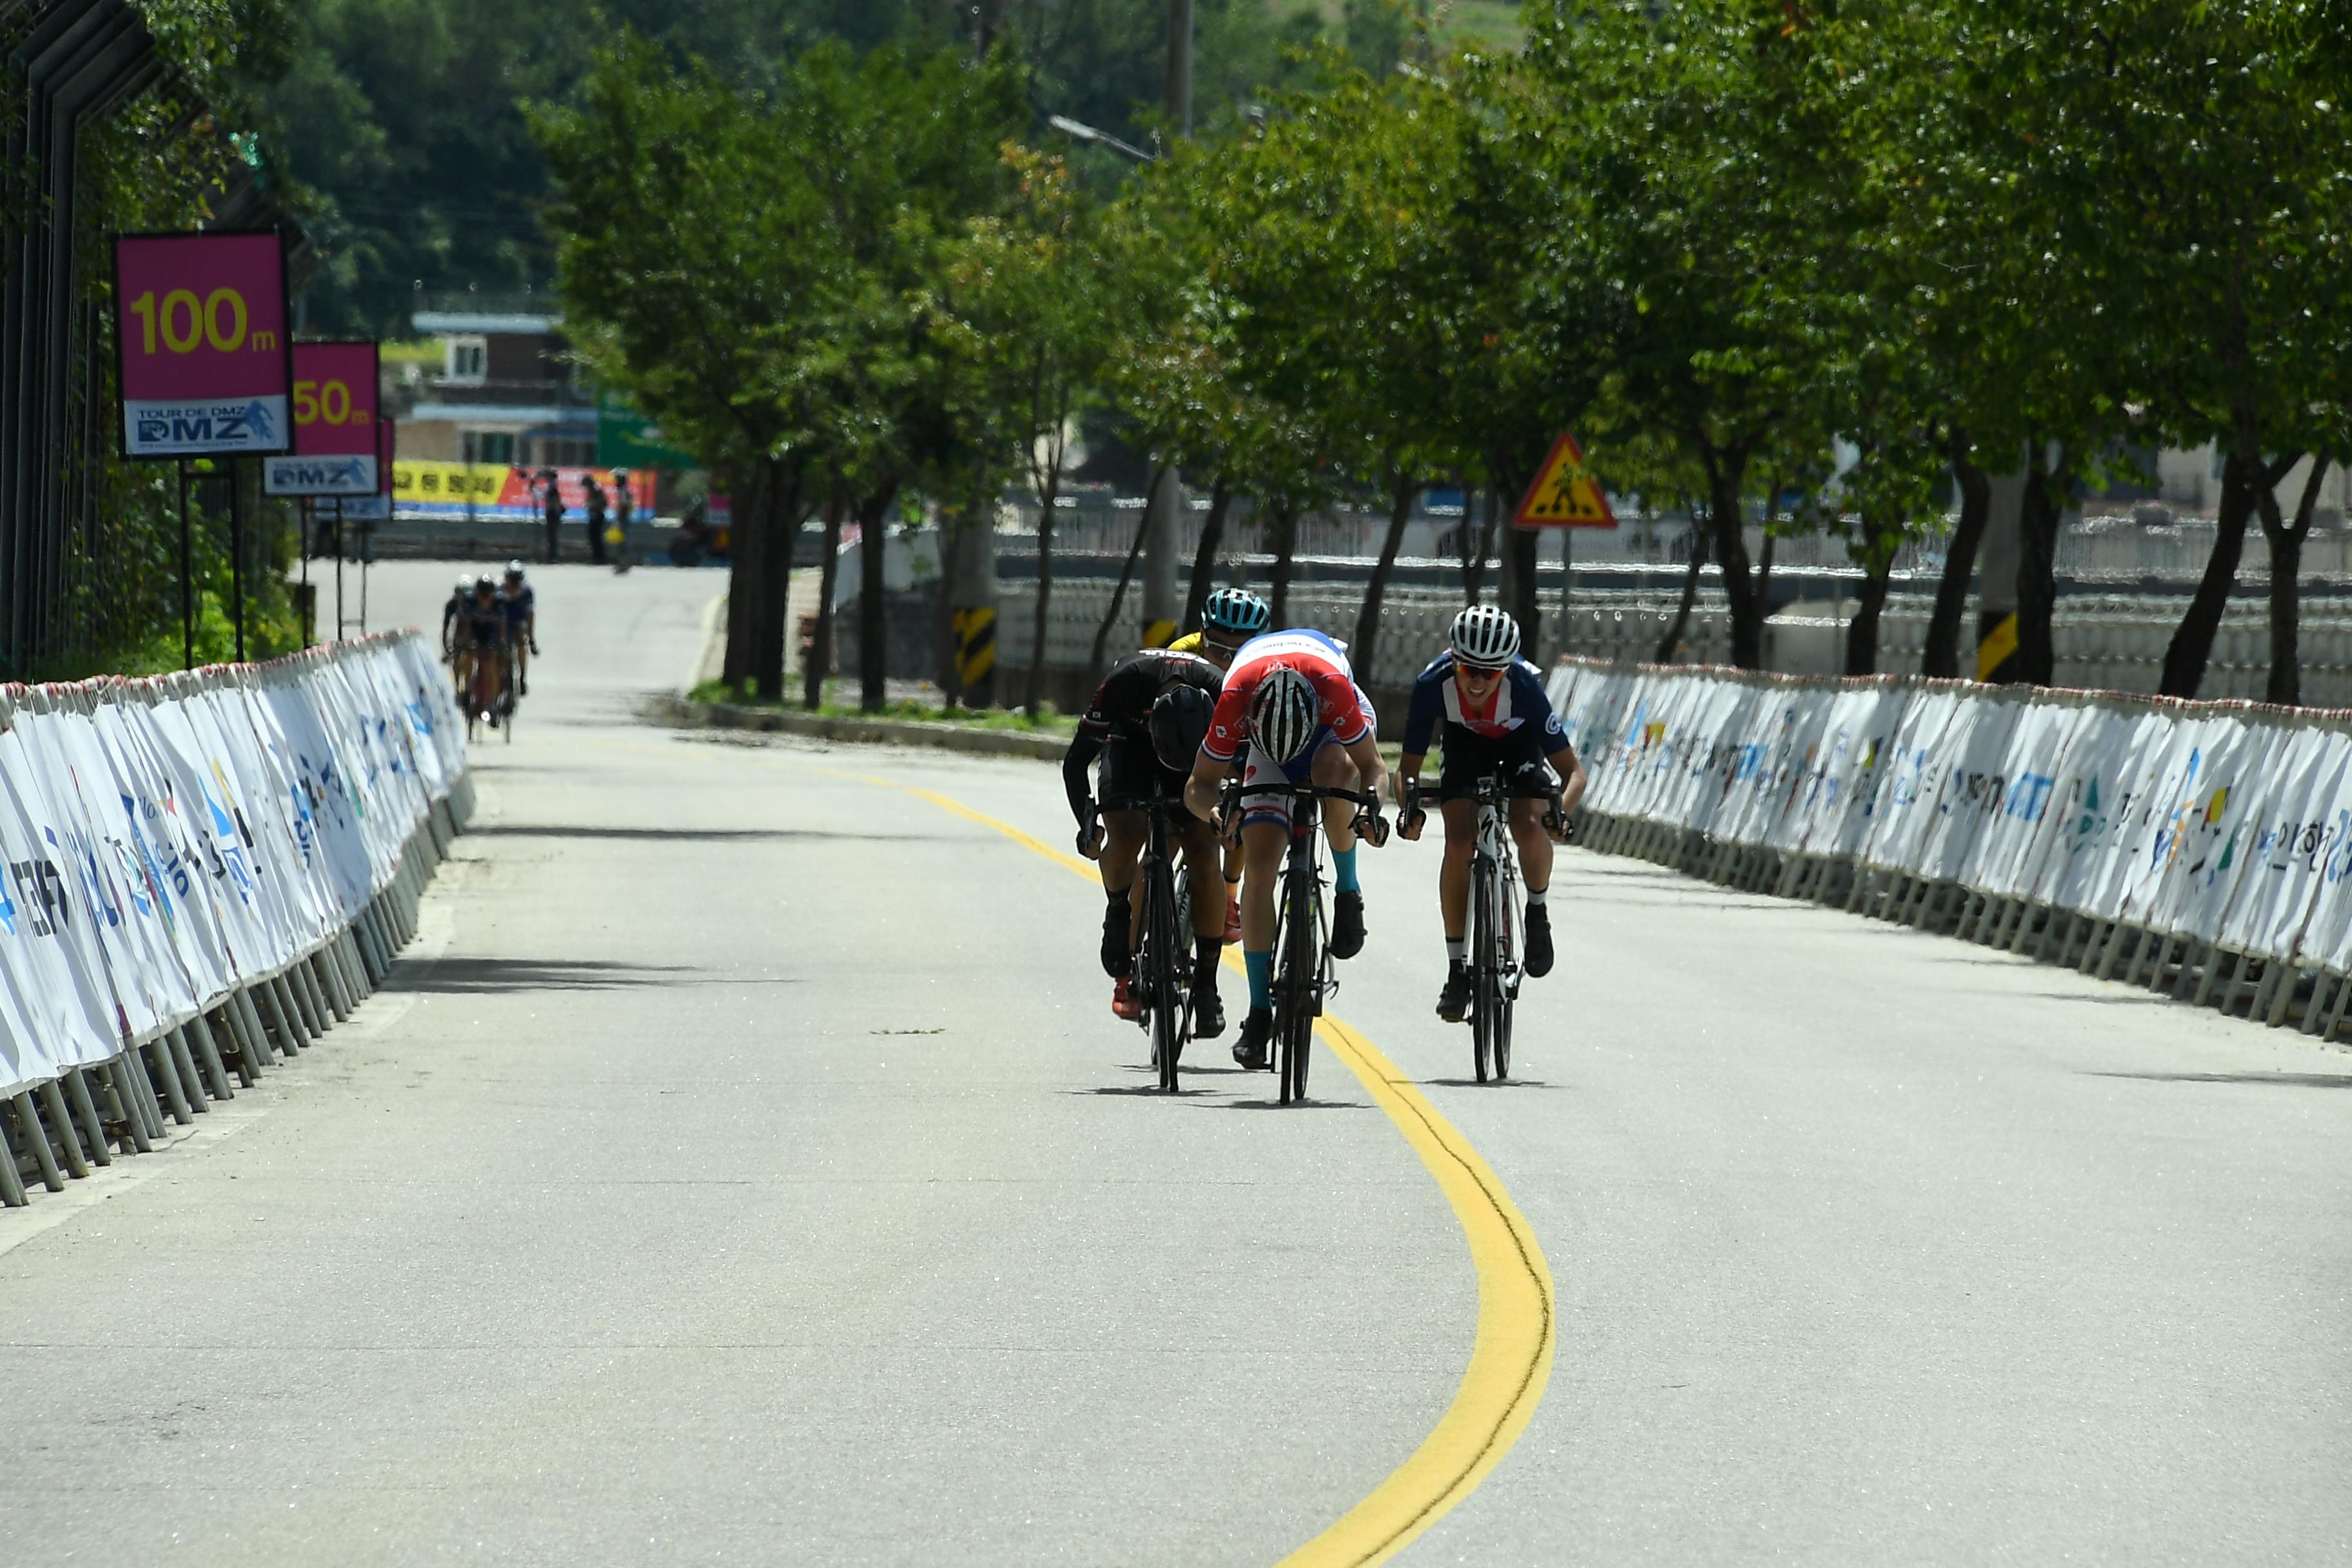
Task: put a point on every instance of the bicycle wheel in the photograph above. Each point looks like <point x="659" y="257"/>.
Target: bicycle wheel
<point x="1486" y="982"/>
<point x="1507" y="970"/>
<point x="1162" y="992"/>
<point x="1301" y="961"/>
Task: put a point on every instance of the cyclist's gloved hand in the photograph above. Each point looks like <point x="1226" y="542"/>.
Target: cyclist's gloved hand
<point x="1411" y="815"/>
<point x="1090" y="835"/>
<point x="1556" y="824"/>
<point x="1371" y="826"/>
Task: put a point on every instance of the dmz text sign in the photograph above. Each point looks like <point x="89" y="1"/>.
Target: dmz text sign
<point x="335" y="434"/>
<point x="200" y="326"/>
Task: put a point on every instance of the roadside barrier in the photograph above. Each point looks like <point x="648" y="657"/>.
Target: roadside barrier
<point x="200" y="875"/>
<point x="2202" y="849"/>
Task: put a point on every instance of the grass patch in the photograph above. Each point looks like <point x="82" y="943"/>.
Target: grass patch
<point x="1047" y="722"/>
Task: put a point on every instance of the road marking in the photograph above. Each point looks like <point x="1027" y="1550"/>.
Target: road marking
<point x="1510" y="1363"/>
<point x="1510" y="1360"/>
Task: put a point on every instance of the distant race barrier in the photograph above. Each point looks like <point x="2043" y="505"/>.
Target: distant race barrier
<point x="203" y="873"/>
<point x="2202" y="849"/>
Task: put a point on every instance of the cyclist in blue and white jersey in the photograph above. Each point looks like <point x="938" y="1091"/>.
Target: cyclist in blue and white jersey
<point x="521" y="605"/>
<point x="1496" y="720"/>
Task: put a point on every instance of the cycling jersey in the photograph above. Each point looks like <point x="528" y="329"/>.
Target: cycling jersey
<point x="518" y="604"/>
<point x="1518" y="702"/>
<point x="1119" y="722"/>
<point x="483" y="624"/>
<point x="1191" y="642"/>
<point x="450" y="613"/>
<point x="1323" y="663"/>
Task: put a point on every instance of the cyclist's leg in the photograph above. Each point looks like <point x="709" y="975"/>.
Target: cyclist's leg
<point x="1123" y="836"/>
<point x="1203" y="868"/>
<point x="1531" y="787"/>
<point x="1266" y="840"/>
<point x="1454" y="872"/>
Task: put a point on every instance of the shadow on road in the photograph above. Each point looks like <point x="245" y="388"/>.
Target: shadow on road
<point x="461" y="976"/>
<point x="1498" y="1083"/>
<point x="2291" y="1079"/>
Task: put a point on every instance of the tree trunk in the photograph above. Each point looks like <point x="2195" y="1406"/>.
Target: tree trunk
<point x="1117" y="598"/>
<point x="1402" y="488"/>
<point x="820" y="658"/>
<point x="1204" y="557"/>
<point x="1477" y="545"/>
<point x="2286" y="587"/>
<point x="1727" y="472"/>
<point x="1862" y="636"/>
<point x="1286" y="539"/>
<point x="1941" y="658"/>
<point x="780" y="516"/>
<point x="1764" y="571"/>
<point x="1669" y="645"/>
<point x="743" y="578"/>
<point x="873" y="615"/>
<point x="2192" y="641"/>
<point x="1519" y="581"/>
<point x="1034" y="700"/>
<point x="2035" y="663"/>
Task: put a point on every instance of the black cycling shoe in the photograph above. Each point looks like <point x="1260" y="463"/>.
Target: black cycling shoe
<point x="1538" y="942"/>
<point x="1454" y="1000"/>
<point x="1208" y="1014"/>
<point x="1257" y="1032"/>
<point x="1347" y="925"/>
<point x="1114" y="946"/>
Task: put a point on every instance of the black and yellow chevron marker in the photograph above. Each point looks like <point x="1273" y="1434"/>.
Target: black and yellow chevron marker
<point x="1996" y="641"/>
<point x="975" y="634"/>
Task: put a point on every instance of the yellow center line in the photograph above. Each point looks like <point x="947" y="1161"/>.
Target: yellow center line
<point x="1510" y="1360"/>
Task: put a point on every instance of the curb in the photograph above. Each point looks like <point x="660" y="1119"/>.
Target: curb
<point x="678" y="712"/>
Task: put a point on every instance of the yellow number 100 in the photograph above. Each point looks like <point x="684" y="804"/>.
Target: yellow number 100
<point x="219" y="321"/>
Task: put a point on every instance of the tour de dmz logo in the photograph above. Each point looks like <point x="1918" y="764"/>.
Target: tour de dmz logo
<point x="219" y="424"/>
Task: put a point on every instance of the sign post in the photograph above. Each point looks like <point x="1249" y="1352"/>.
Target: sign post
<point x="1564" y="495"/>
<point x="205" y="369"/>
<point x="335" y="437"/>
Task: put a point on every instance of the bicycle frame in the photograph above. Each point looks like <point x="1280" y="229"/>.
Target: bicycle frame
<point x="1163" y="968"/>
<point x="1302" y="949"/>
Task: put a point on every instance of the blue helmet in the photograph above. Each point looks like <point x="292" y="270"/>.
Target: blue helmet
<point x="1235" y="610"/>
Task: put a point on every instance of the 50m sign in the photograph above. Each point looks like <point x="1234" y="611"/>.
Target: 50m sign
<point x="200" y="328"/>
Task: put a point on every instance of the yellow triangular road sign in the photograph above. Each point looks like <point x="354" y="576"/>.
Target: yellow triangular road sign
<point x="1565" y="494"/>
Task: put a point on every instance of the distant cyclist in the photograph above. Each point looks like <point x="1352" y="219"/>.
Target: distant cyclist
<point x="1290" y="710"/>
<point x="1497" y="721"/>
<point x="521" y="605"/>
<point x="1147" y="722"/>
<point x="482" y="639"/>
<point x="1229" y="617"/>
<point x="452" y="616"/>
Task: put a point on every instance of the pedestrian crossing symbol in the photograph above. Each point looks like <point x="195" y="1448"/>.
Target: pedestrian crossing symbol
<point x="1565" y="494"/>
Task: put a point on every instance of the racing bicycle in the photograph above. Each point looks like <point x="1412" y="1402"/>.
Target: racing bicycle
<point x="1302" y="947"/>
<point x="1497" y="925"/>
<point x="1163" y="967"/>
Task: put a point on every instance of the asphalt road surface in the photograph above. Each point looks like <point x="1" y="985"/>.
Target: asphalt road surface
<point x="744" y="1167"/>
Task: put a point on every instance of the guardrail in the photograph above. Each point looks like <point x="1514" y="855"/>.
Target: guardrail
<point x="2203" y="849"/>
<point x="203" y="872"/>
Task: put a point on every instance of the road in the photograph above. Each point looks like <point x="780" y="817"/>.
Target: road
<point x="744" y="1167"/>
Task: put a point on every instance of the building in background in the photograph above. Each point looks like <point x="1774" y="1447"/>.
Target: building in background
<point x="505" y="394"/>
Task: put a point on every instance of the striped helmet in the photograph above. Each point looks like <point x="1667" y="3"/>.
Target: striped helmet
<point x="1485" y="635"/>
<point x="1283" y="714"/>
<point x="1235" y="610"/>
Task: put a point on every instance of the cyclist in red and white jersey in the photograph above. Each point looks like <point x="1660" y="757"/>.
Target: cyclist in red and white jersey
<point x="1290" y="710"/>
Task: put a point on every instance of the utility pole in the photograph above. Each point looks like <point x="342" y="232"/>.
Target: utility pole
<point x="1165" y="510"/>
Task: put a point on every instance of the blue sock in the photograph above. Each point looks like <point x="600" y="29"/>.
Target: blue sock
<point x="1343" y="870"/>
<point x="1261" y="978"/>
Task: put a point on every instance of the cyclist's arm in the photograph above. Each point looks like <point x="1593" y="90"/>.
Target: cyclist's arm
<point x="1085" y="747"/>
<point x="1571" y="776"/>
<point x="1208" y="775"/>
<point x="1366" y="754"/>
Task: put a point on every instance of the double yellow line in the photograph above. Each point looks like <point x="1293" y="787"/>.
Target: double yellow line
<point x="1510" y="1362"/>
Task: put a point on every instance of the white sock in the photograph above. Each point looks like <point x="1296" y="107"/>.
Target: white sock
<point x="1536" y="897"/>
<point x="1457" y="951"/>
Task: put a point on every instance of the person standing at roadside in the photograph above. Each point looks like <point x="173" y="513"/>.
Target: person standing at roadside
<point x="625" y="510"/>
<point x="550" y="500"/>
<point x="595" y="520"/>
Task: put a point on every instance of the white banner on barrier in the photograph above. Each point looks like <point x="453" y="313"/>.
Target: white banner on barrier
<point x="163" y="841"/>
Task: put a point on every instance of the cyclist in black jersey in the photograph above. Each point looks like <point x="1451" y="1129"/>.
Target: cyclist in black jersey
<point x="482" y="639"/>
<point x="1139" y="717"/>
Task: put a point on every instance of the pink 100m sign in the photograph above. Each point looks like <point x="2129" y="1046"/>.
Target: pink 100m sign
<point x="200" y="320"/>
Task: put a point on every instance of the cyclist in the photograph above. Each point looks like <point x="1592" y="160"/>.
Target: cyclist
<point x="1498" y="722"/>
<point x="1290" y="710"/>
<point x="521" y="605"/>
<point x="1229" y="617"/>
<point x="452" y="616"/>
<point x="1146" y="723"/>
<point x="482" y="637"/>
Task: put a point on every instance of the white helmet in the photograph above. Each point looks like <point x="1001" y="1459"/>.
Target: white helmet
<point x="514" y="568"/>
<point x="465" y="584"/>
<point x="1485" y="635"/>
<point x="1283" y="714"/>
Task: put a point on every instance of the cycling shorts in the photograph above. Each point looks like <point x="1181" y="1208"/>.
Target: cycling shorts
<point x="1133" y="774"/>
<point x="1258" y="767"/>
<point x="1518" y="756"/>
